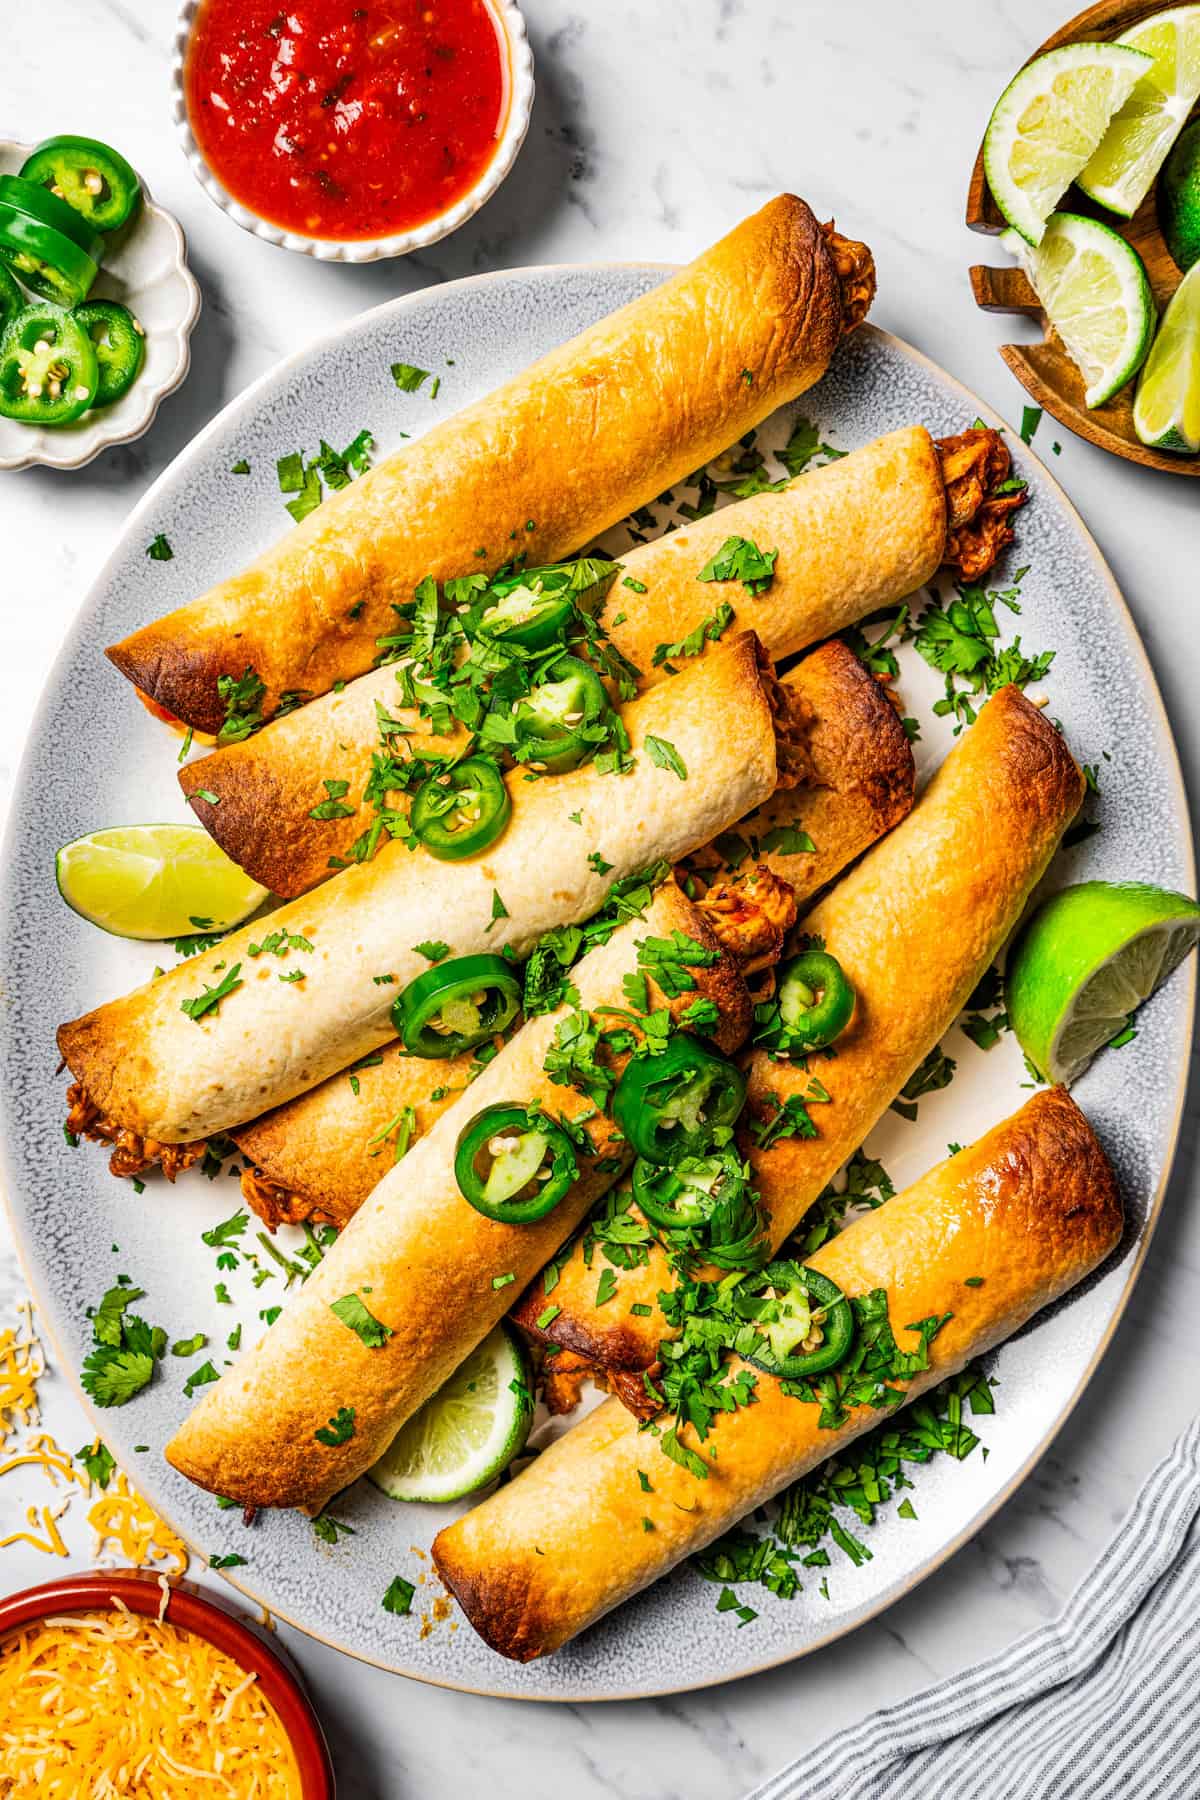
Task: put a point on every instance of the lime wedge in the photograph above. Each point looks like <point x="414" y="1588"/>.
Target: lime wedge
<point x="1179" y="198"/>
<point x="1121" y="172"/>
<point x="1094" y="289"/>
<point x="1166" y="412"/>
<point x="1086" y="961"/>
<point x="154" y="881"/>
<point x="1047" y="124"/>
<point x="468" y="1432"/>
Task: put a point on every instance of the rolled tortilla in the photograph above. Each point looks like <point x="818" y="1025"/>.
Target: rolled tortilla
<point x="858" y="534"/>
<point x="1025" y="1213"/>
<point x="583" y="437"/>
<point x="320" y="1155"/>
<point x="426" y="1261"/>
<point x="147" y="1064"/>
<point x="915" y="926"/>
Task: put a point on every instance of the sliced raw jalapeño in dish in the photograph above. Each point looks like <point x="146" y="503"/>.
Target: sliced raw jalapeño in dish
<point x="816" y="1000"/>
<point x="551" y="722"/>
<point x="671" y="1105"/>
<point x="91" y="178"/>
<point x="457" y="1005"/>
<point x="48" y="369"/>
<point x="460" y="812"/>
<point x="805" y="1318"/>
<point x="119" y="343"/>
<point x="48" y="247"/>
<point x="12" y="300"/>
<point x="686" y="1194"/>
<point x="513" y="1165"/>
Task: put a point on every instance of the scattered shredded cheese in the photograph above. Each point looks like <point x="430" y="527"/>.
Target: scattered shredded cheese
<point x="125" y="1522"/>
<point x="22" y="1362"/>
<point x="97" y="1705"/>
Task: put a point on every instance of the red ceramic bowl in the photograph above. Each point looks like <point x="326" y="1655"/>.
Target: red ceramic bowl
<point x="192" y="1610"/>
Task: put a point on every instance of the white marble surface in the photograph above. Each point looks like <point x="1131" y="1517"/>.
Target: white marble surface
<point x="656" y="126"/>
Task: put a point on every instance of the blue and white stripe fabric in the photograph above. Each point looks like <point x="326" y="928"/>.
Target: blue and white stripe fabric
<point x="1103" y="1703"/>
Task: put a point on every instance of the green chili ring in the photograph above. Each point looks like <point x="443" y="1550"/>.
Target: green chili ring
<point x="671" y="1105"/>
<point x="550" y="721"/>
<point x="528" y="1164"/>
<point x="458" y="814"/>
<point x="804" y="1291"/>
<point x="816" y="1000"/>
<point x="684" y="1195"/>
<point x="48" y="369"/>
<point x="90" y="177"/>
<point x="457" y="1005"/>
<point x="543" y="621"/>
<point x="12" y="300"/>
<point x="119" y="343"/>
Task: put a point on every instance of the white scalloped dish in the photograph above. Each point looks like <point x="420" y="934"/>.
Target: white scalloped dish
<point x="145" y="268"/>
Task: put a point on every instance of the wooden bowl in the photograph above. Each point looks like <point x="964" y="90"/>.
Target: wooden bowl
<point x="192" y="1610"/>
<point x="1045" y="369"/>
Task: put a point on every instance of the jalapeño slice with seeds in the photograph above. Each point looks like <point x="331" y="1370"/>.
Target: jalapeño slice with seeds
<point x="686" y="1194"/>
<point x="47" y="246"/>
<point x="457" y="1006"/>
<point x="92" y="178"/>
<point x="514" y="1166"/>
<point x="671" y="1105"/>
<point x="459" y="813"/>
<point x="816" y="1000"/>
<point x="552" y="721"/>
<point x="48" y="369"/>
<point x="119" y="343"/>
<point x="806" y="1320"/>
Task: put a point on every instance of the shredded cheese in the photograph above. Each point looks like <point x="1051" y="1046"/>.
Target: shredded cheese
<point x="123" y="1520"/>
<point x="99" y="1705"/>
<point x="22" y="1362"/>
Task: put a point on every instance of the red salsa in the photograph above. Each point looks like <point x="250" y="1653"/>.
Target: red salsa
<point x="343" y="120"/>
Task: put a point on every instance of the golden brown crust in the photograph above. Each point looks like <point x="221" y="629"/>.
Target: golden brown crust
<point x="156" y="1069"/>
<point x="915" y="925"/>
<point x="857" y="535"/>
<point x="313" y="1156"/>
<point x="319" y="1156"/>
<point x="1026" y="1213"/>
<point x="307" y="613"/>
<point x="426" y="1260"/>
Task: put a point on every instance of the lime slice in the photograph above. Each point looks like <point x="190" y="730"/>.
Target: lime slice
<point x="1179" y="198"/>
<point x="1047" y="124"/>
<point x="1121" y="172"/>
<point x="468" y="1432"/>
<point x="154" y="881"/>
<point x="1086" y="961"/>
<point x="1166" y="412"/>
<point x="1094" y="289"/>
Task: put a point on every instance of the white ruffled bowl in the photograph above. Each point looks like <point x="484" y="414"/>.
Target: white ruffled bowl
<point x="519" y="58"/>
<point x="145" y="269"/>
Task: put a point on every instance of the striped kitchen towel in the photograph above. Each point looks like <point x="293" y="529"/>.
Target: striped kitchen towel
<point x="1099" y="1704"/>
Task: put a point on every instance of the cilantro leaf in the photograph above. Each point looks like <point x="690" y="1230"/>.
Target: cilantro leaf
<point x="740" y="559"/>
<point x="340" y="1428"/>
<point x="160" y="550"/>
<point x="243" y="697"/>
<point x="211" y="998"/>
<point x="97" y="1462"/>
<point x="407" y="377"/>
<point x="399" y="1596"/>
<point x="112" y="1377"/>
<point x="665" y="756"/>
<point x="352" y="1312"/>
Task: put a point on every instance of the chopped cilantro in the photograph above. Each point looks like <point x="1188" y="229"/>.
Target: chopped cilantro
<point x="356" y="1316"/>
<point x="189" y="1346"/>
<point x="399" y="1597"/>
<point x="97" y="1462"/>
<point x="333" y="806"/>
<point x="339" y="1430"/>
<point x="408" y="377"/>
<point x="433" y="950"/>
<point x="243" y="697"/>
<point x="160" y="550"/>
<point x="210" y="998"/>
<point x="200" y="1378"/>
<point x="232" y="1560"/>
<point x="740" y="559"/>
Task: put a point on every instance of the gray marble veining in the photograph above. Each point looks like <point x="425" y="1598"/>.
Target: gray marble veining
<point x="655" y="127"/>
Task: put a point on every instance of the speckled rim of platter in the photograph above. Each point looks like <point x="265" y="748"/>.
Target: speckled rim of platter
<point x="524" y="1683"/>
